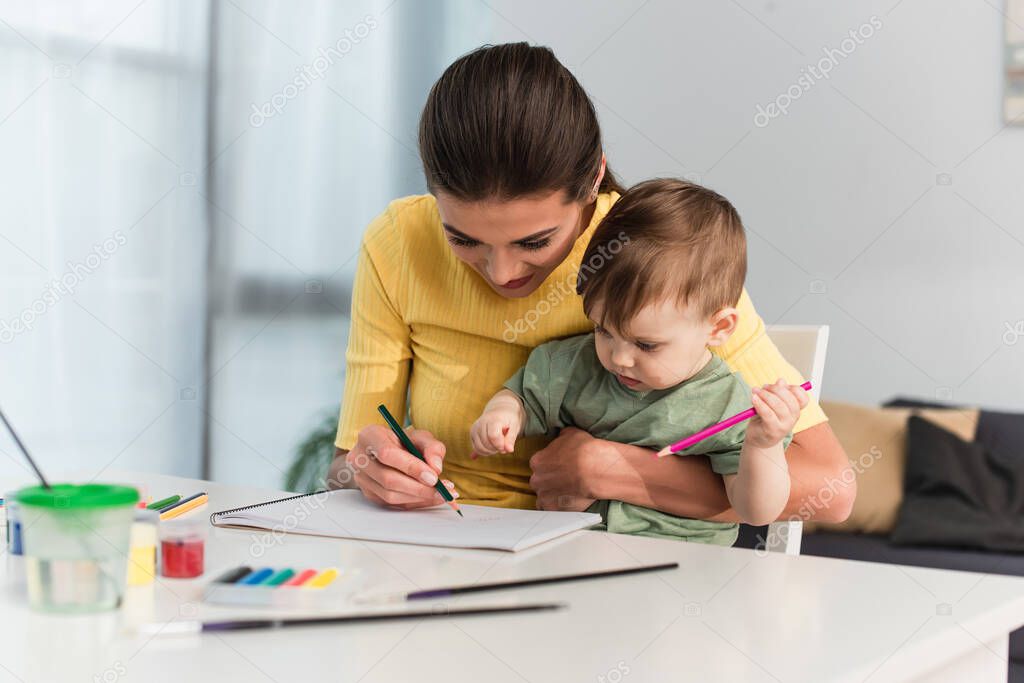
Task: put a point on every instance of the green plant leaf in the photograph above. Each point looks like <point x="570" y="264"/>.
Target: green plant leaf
<point x="313" y="457"/>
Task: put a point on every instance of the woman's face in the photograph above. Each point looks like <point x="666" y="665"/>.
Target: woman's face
<point x="514" y="244"/>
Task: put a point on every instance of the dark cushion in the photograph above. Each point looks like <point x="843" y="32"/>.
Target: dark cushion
<point x="1003" y="435"/>
<point x="904" y="402"/>
<point x="958" y="493"/>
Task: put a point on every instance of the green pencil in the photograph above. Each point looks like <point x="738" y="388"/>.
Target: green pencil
<point x="163" y="503"/>
<point x="411" y="447"/>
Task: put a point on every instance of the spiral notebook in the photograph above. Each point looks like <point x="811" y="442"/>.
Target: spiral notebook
<point x="347" y="514"/>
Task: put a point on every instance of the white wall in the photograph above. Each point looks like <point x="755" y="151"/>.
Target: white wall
<point x="848" y="222"/>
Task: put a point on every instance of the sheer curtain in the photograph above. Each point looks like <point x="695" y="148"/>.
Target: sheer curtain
<point x="103" y="238"/>
<point x="316" y="114"/>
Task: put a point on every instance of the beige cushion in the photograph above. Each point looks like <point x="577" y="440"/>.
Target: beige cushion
<point x="875" y="441"/>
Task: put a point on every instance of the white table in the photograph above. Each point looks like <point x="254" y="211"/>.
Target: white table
<point x="725" y="615"/>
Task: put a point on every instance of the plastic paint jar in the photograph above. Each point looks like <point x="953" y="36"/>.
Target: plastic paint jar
<point x="76" y="555"/>
<point x="14" y="566"/>
<point x="14" y="528"/>
<point x="182" y="548"/>
<point x="142" y="553"/>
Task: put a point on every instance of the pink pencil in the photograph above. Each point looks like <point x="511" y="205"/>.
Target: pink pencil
<point x="714" y="429"/>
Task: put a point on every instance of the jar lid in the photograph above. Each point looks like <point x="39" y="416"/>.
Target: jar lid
<point x="147" y="516"/>
<point x="78" y="496"/>
<point x="183" y="529"/>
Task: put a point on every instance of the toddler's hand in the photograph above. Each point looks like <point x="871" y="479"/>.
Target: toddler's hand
<point x="778" y="407"/>
<point x="495" y="431"/>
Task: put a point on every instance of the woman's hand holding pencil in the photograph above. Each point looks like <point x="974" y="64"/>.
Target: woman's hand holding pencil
<point x="388" y="474"/>
<point x="407" y="443"/>
<point x="441" y="488"/>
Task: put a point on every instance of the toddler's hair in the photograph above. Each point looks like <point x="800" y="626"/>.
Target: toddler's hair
<point x="664" y="238"/>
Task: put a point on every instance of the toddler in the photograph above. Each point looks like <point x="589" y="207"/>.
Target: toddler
<point x="672" y="261"/>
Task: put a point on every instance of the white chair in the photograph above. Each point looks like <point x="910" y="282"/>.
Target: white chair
<point x="804" y="346"/>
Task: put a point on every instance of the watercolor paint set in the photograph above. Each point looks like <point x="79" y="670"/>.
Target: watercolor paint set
<point x="282" y="587"/>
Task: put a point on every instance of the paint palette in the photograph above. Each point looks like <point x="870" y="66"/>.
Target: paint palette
<point x="282" y="587"/>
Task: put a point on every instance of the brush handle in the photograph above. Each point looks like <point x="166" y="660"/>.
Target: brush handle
<point x="721" y="426"/>
<point x="24" y="451"/>
<point x="180" y="627"/>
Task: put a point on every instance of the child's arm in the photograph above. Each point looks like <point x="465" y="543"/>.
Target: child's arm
<point x="497" y="429"/>
<point x="759" y="491"/>
<point x="530" y="401"/>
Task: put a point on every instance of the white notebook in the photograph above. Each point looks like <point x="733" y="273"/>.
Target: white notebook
<point x="346" y="514"/>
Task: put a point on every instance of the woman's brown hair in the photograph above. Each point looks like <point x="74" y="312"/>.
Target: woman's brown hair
<point x="509" y="121"/>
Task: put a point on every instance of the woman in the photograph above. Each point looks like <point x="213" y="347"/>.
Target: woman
<point x="455" y="288"/>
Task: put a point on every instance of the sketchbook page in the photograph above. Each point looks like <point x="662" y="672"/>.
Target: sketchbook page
<point x="347" y="514"/>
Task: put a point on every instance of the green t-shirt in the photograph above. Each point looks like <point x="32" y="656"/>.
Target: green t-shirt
<point x="563" y="384"/>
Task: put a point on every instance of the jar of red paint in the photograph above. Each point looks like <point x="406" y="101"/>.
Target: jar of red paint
<point x="182" y="548"/>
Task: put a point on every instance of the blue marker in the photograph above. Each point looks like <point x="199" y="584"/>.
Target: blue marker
<point x="257" y="577"/>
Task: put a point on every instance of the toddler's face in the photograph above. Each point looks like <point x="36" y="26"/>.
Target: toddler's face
<point x="666" y="345"/>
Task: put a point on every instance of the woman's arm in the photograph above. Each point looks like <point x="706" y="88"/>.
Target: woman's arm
<point x="340" y="475"/>
<point x="378" y="361"/>
<point x="822" y="484"/>
<point x="576" y="469"/>
<point x="379" y="354"/>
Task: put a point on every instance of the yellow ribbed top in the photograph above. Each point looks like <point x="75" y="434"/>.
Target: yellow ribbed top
<point x="426" y="326"/>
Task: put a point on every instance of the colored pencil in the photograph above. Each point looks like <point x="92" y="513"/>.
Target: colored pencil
<point x="191" y="627"/>
<point x="163" y="503"/>
<point x="505" y="585"/>
<point x="411" y="447"/>
<point x="183" y="506"/>
<point x="714" y="429"/>
<point x="180" y="501"/>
